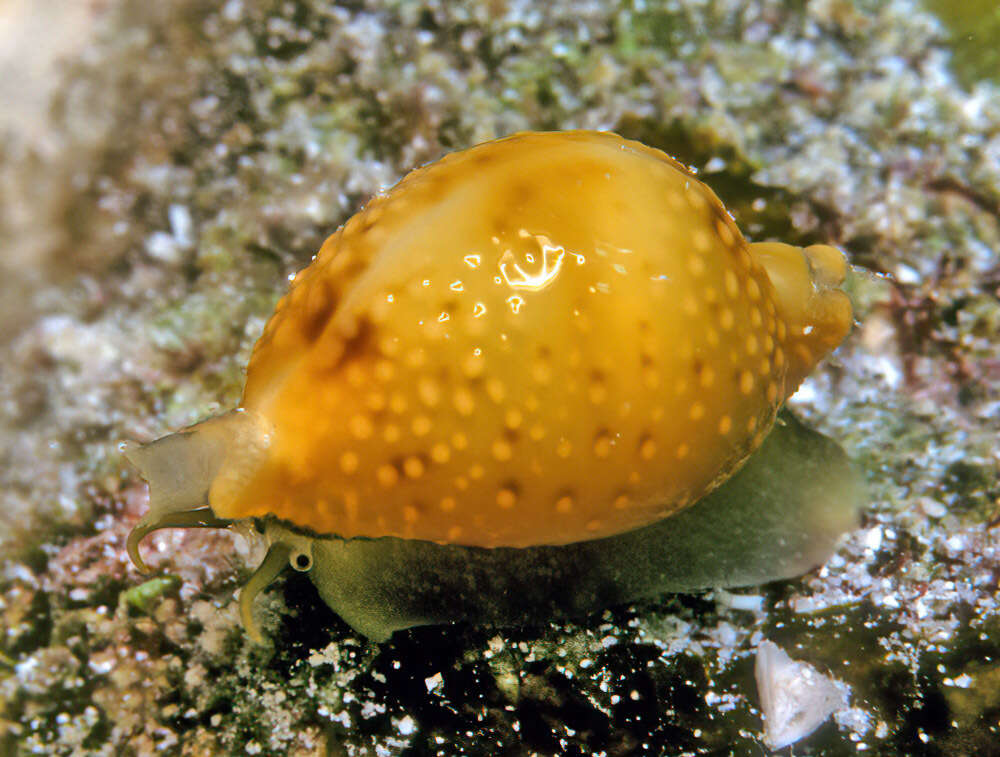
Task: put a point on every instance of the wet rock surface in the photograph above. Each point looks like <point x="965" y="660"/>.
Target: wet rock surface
<point x="195" y="156"/>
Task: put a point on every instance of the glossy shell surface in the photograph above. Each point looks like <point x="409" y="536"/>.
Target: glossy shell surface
<point x="540" y="340"/>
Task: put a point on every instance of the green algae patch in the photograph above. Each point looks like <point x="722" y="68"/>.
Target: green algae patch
<point x="974" y="27"/>
<point x="146" y="596"/>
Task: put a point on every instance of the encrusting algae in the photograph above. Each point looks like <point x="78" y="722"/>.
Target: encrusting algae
<point x="550" y="339"/>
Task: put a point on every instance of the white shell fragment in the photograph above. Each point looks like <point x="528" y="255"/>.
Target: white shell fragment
<point x="795" y="698"/>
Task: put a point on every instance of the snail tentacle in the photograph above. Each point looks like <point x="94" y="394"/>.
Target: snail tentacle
<point x="274" y="563"/>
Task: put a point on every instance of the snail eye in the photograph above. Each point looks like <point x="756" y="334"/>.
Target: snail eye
<point x="300" y="561"/>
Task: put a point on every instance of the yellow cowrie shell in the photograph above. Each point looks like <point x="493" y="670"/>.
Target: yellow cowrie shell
<point x="537" y="296"/>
